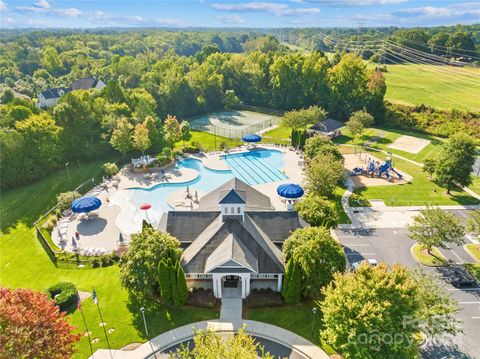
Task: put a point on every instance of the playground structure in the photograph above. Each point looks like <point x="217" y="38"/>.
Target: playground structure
<point x="375" y="169"/>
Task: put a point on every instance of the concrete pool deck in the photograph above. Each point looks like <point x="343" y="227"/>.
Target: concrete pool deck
<point x="299" y="345"/>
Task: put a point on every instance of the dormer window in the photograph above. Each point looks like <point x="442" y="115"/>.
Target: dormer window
<point x="232" y="203"/>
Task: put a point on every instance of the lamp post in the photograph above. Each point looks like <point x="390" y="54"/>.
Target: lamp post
<point x="314" y="311"/>
<point x="142" y="309"/>
<point x="68" y="172"/>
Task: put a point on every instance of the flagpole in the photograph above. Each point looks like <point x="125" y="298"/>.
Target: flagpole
<point x="85" y="324"/>
<point x="103" y="324"/>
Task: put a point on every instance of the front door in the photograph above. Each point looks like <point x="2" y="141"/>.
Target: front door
<point x="231" y="281"/>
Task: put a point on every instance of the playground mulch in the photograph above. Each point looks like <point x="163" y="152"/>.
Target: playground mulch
<point x="354" y="160"/>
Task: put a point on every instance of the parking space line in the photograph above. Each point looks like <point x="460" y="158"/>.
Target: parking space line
<point x="359" y="254"/>
<point x="464" y="289"/>
<point x="356" y="245"/>
<point x="469" y="302"/>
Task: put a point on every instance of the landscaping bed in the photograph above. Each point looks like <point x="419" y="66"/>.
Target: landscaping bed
<point x="436" y="259"/>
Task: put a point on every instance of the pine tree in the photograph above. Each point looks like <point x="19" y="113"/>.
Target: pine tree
<point x="182" y="285"/>
<point x="173" y="282"/>
<point x="164" y="281"/>
<point x="293" y="279"/>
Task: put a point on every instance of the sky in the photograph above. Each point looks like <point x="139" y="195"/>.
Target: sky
<point x="252" y="14"/>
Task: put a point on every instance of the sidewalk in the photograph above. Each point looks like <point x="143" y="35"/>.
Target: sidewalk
<point x="300" y="346"/>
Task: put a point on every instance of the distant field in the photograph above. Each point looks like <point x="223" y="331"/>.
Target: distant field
<point x="416" y="84"/>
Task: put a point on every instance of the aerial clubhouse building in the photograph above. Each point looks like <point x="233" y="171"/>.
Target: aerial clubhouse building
<point x="233" y="239"/>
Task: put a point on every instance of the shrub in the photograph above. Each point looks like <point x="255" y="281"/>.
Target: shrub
<point x="265" y="297"/>
<point x="110" y="168"/>
<point x="64" y="294"/>
<point x="200" y="297"/>
<point x="65" y="199"/>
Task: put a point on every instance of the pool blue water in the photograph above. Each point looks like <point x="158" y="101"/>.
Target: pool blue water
<point x="254" y="167"/>
<point x="257" y="167"/>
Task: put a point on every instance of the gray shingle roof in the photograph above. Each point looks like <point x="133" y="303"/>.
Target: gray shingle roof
<point x="255" y="200"/>
<point x="231" y="253"/>
<point x="232" y="197"/>
<point x="329" y="125"/>
<point x="84" y="83"/>
<point x="54" y="92"/>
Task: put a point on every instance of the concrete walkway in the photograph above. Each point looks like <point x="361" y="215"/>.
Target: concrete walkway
<point x="231" y="303"/>
<point x="301" y="347"/>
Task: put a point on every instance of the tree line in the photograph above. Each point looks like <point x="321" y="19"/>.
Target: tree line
<point x="85" y="124"/>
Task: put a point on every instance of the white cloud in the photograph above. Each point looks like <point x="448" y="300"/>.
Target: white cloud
<point x="457" y="10"/>
<point x="105" y="18"/>
<point x="355" y="2"/>
<point x="277" y="9"/>
<point x="3" y="6"/>
<point x="168" y="22"/>
<point x="231" y="19"/>
<point x="43" y="4"/>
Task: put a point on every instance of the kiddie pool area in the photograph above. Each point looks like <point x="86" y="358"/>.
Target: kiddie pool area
<point x="255" y="167"/>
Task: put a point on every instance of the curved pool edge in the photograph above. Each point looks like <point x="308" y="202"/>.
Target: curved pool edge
<point x="184" y="333"/>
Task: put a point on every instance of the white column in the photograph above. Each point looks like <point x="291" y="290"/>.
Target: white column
<point x="247" y="281"/>
<point x="219" y="287"/>
<point x="243" y="287"/>
<point x="279" y="283"/>
<point x="214" y="284"/>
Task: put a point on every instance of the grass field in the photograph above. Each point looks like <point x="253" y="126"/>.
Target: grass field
<point x="389" y="136"/>
<point x="417" y="84"/>
<point x="279" y="134"/>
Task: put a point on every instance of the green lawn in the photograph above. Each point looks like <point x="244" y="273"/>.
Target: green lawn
<point x="297" y="318"/>
<point x="417" y="84"/>
<point x="474" y="269"/>
<point x="419" y="192"/>
<point x="435" y="259"/>
<point x="27" y="203"/>
<point x="474" y="250"/>
<point x="280" y="135"/>
<point x="208" y="140"/>
<point x="475" y="186"/>
<point x="24" y="263"/>
<point x="390" y="135"/>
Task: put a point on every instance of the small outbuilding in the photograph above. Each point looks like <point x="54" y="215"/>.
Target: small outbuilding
<point x="329" y="127"/>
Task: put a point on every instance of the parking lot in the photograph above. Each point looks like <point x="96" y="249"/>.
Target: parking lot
<point x="392" y="245"/>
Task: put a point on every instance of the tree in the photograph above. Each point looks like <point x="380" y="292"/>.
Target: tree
<point x="434" y="227"/>
<point x="139" y="266"/>
<point x="377" y="88"/>
<point x="33" y="327"/>
<point x="230" y="100"/>
<point x="65" y="199"/>
<point x="461" y="42"/>
<point x="171" y="130"/>
<point x="186" y="135"/>
<point x="164" y="280"/>
<point x="181" y="285"/>
<point x="301" y="119"/>
<point x="348" y="86"/>
<point x="292" y="283"/>
<point x="140" y="138"/>
<point x="455" y="161"/>
<point x="7" y="96"/>
<point x="122" y="136"/>
<point x="110" y="168"/>
<point x="208" y="344"/>
<point x="323" y="173"/>
<point x="318" y="211"/>
<point x="358" y="121"/>
<point x="429" y="165"/>
<point x="321" y="145"/>
<point x="473" y="224"/>
<point x="374" y="312"/>
<point x="318" y="256"/>
<point x="42" y="136"/>
<point x="154" y="133"/>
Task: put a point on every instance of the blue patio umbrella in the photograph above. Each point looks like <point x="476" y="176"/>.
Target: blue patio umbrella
<point x="85" y="204"/>
<point x="251" y="138"/>
<point x="290" y="190"/>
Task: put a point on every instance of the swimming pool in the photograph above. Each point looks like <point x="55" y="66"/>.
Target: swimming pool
<point x="258" y="166"/>
<point x="253" y="167"/>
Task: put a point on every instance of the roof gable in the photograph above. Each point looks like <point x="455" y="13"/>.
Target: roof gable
<point x="327" y="125"/>
<point x="231" y="253"/>
<point x="232" y="197"/>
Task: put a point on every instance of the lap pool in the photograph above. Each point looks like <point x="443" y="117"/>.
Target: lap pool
<point x="254" y="167"/>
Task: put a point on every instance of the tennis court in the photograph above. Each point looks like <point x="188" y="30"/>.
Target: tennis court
<point x="233" y="124"/>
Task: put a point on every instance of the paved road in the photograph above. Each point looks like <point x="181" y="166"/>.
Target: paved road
<point x="392" y="245"/>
